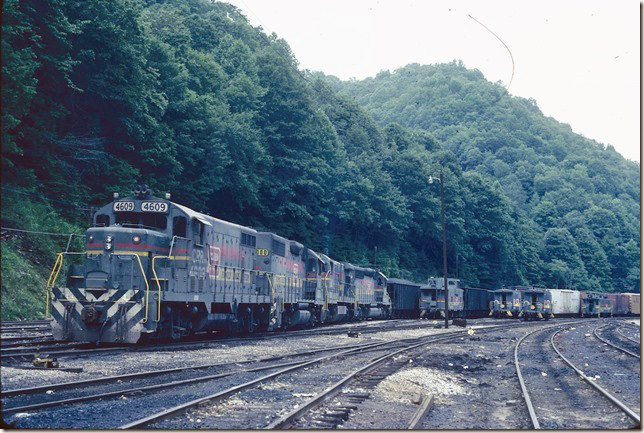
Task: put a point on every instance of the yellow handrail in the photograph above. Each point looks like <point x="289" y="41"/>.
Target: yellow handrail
<point x="55" y="269"/>
<point x="156" y="278"/>
<point x="147" y="286"/>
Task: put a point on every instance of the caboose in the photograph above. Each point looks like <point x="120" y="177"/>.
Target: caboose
<point x="536" y="304"/>
<point x="595" y="304"/>
<point x="432" y="298"/>
<point x="506" y="303"/>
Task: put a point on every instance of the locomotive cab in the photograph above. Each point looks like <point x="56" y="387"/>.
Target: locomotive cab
<point x="114" y="283"/>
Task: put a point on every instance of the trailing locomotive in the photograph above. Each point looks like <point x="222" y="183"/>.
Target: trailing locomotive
<point x="155" y="269"/>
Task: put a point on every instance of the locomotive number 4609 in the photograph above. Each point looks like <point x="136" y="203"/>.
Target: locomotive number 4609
<point x="154" y="206"/>
<point x="123" y="206"/>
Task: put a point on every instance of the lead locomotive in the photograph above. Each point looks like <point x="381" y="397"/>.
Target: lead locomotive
<point x="156" y="269"/>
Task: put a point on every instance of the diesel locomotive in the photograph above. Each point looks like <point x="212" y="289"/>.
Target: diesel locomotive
<point x="153" y="268"/>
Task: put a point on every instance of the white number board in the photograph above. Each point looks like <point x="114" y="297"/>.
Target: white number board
<point x="154" y="206"/>
<point x="123" y="206"/>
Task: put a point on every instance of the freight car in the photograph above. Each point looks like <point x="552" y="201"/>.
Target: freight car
<point x="631" y="302"/>
<point x="536" y="304"/>
<point x="565" y="303"/>
<point x="595" y="304"/>
<point x="153" y="268"/>
<point x="477" y="302"/>
<point x="405" y="298"/>
<point x="624" y="304"/>
<point x="432" y="298"/>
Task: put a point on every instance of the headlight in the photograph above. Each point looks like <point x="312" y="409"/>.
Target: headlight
<point x="90" y="238"/>
<point x="136" y="239"/>
<point x="108" y="246"/>
<point x="108" y="238"/>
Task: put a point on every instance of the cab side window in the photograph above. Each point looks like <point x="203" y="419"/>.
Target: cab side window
<point x="197" y="231"/>
<point x="179" y="226"/>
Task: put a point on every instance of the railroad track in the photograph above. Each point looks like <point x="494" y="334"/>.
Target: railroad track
<point x="366" y="374"/>
<point x="61" y="349"/>
<point x="557" y="389"/>
<point x="620" y="331"/>
<point x="36" y="398"/>
<point x="632" y="345"/>
<point x="391" y="348"/>
<point x="149" y="389"/>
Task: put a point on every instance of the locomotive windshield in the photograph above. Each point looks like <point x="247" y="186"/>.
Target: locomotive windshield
<point x="154" y="221"/>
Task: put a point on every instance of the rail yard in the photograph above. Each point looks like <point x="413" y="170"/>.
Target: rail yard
<point x="567" y="373"/>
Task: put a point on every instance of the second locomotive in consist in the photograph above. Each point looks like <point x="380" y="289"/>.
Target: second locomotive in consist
<point x="154" y="268"/>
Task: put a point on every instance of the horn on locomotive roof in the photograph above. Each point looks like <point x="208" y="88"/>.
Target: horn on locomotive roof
<point x="142" y="191"/>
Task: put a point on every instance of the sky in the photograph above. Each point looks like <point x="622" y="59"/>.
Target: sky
<point x="579" y="59"/>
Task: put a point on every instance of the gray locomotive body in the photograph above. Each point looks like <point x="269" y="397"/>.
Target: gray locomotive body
<point x="154" y="268"/>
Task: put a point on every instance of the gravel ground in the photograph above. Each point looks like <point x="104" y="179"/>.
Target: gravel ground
<point x="134" y="362"/>
<point x="256" y="407"/>
<point x="473" y="381"/>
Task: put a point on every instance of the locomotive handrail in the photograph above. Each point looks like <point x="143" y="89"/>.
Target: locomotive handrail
<point x="53" y="276"/>
<point x="145" y="279"/>
<point x="172" y="243"/>
<point x="156" y="278"/>
<point x="59" y="259"/>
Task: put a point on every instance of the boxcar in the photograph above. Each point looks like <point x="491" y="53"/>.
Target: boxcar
<point x="565" y="303"/>
<point x="632" y="300"/>
<point x="405" y="297"/>
<point x="477" y="302"/>
<point x="616" y="308"/>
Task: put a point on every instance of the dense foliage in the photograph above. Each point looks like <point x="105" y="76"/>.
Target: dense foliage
<point x="567" y="208"/>
<point x="188" y="97"/>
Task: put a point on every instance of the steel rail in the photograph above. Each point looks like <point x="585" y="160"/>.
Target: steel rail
<point x="40" y="347"/>
<point x="77" y="383"/>
<point x="14" y="353"/>
<point x="605" y="393"/>
<point x="23" y="322"/>
<point x="287" y="419"/>
<point x="60" y="353"/>
<point x="621" y="349"/>
<point x="226" y="392"/>
<point x="110" y="394"/>
<point x="619" y="331"/>
<point x="524" y="388"/>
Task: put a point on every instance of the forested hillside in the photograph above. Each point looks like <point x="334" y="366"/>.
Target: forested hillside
<point x="189" y="98"/>
<point x="579" y="198"/>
